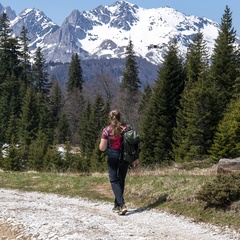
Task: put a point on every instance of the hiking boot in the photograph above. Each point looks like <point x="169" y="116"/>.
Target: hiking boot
<point x="116" y="209"/>
<point x="122" y="210"/>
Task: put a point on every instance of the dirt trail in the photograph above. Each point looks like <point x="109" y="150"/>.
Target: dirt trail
<point x="32" y="215"/>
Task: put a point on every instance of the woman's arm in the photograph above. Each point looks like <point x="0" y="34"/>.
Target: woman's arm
<point x="103" y="144"/>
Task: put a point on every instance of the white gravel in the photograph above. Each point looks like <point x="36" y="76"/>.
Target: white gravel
<point x="49" y="216"/>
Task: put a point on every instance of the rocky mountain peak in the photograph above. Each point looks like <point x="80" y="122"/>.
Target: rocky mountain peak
<point x="104" y="32"/>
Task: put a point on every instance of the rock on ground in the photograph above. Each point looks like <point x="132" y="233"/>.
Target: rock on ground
<point x="226" y="165"/>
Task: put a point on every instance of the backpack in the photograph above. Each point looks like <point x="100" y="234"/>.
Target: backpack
<point x="131" y="140"/>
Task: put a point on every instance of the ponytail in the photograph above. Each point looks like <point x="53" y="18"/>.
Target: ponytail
<point x="115" y="119"/>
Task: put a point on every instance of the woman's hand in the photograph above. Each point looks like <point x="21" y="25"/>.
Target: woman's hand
<point x="135" y="163"/>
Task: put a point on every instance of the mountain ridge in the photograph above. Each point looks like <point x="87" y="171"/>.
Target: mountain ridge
<point x="104" y="32"/>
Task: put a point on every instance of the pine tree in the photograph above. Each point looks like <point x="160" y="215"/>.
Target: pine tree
<point x="9" y="106"/>
<point x="73" y="107"/>
<point x="196" y="116"/>
<point x="56" y="102"/>
<point x="29" y="118"/>
<point x="145" y="98"/>
<point x="106" y="111"/>
<point x="4" y="113"/>
<point x="128" y="97"/>
<point x="225" y="60"/>
<point x="53" y="160"/>
<point x="75" y="102"/>
<point x="160" y="119"/>
<point x="10" y="98"/>
<point x="197" y="60"/>
<point x="84" y="128"/>
<point x="75" y="80"/>
<point x="226" y="139"/>
<point x="96" y="121"/>
<point x="62" y="131"/>
<point x="25" y="58"/>
<point x="130" y="82"/>
<point x="5" y="41"/>
<point x="44" y="116"/>
<point x="196" y="123"/>
<point x="37" y="151"/>
<point x="39" y="72"/>
<point x="13" y="161"/>
<point x="12" y="128"/>
<point x="98" y="158"/>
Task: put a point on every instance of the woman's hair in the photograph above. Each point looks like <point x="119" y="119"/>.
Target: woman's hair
<point x="115" y="120"/>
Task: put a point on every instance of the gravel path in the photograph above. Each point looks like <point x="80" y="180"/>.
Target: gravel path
<point x="47" y="216"/>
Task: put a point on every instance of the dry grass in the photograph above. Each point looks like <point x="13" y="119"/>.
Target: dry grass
<point x="176" y="169"/>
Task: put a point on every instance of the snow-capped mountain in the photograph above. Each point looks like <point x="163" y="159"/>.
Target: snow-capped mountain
<point x="39" y="26"/>
<point x="104" y="32"/>
<point x="100" y="37"/>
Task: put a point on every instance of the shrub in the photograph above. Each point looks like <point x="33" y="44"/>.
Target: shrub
<point x="222" y="191"/>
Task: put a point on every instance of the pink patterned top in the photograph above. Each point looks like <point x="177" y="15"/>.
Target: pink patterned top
<point x="115" y="142"/>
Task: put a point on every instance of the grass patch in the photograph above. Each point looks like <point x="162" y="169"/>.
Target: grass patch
<point x="170" y="189"/>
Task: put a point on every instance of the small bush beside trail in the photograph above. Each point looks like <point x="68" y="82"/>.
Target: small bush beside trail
<point x="222" y="191"/>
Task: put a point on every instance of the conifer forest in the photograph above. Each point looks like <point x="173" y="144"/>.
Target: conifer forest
<point x="190" y="112"/>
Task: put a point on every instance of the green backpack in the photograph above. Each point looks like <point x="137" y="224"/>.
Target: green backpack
<point x="131" y="141"/>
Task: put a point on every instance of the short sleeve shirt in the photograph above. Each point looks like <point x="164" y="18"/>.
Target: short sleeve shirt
<point x="115" y="142"/>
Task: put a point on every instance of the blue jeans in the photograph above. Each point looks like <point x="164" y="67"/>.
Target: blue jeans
<point x="117" y="170"/>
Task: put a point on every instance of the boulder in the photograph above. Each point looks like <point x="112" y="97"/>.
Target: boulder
<point x="226" y="165"/>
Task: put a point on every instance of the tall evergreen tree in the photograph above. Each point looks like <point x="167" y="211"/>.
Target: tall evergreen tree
<point x="25" y="58"/>
<point x="97" y="120"/>
<point x="128" y="97"/>
<point x="196" y="115"/>
<point x="44" y="117"/>
<point x="56" y="102"/>
<point x="11" y="134"/>
<point x="197" y="60"/>
<point x="10" y="104"/>
<point x="4" y="112"/>
<point x="5" y="42"/>
<point x="144" y="100"/>
<point x="160" y="119"/>
<point x="130" y="82"/>
<point x="73" y="107"/>
<point x="196" y="122"/>
<point x="29" y="118"/>
<point x="10" y="100"/>
<point x="75" y="80"/>
<point x="98" y="158"/>
<point x="225" y="60"/>
<point x="62" y="130"/>
<point x="39" y="73"/>
<point x="227" y="138"/>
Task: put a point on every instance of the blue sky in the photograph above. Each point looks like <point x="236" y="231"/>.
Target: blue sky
<point x="58" y="10"/>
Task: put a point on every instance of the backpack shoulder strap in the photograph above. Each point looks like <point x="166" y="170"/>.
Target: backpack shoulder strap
<point x="108" y="130"/>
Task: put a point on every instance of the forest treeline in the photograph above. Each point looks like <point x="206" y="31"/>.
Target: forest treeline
<point x="191" y="112"/>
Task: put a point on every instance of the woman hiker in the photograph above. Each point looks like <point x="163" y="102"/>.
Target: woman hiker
<point x="111" y="141"/>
